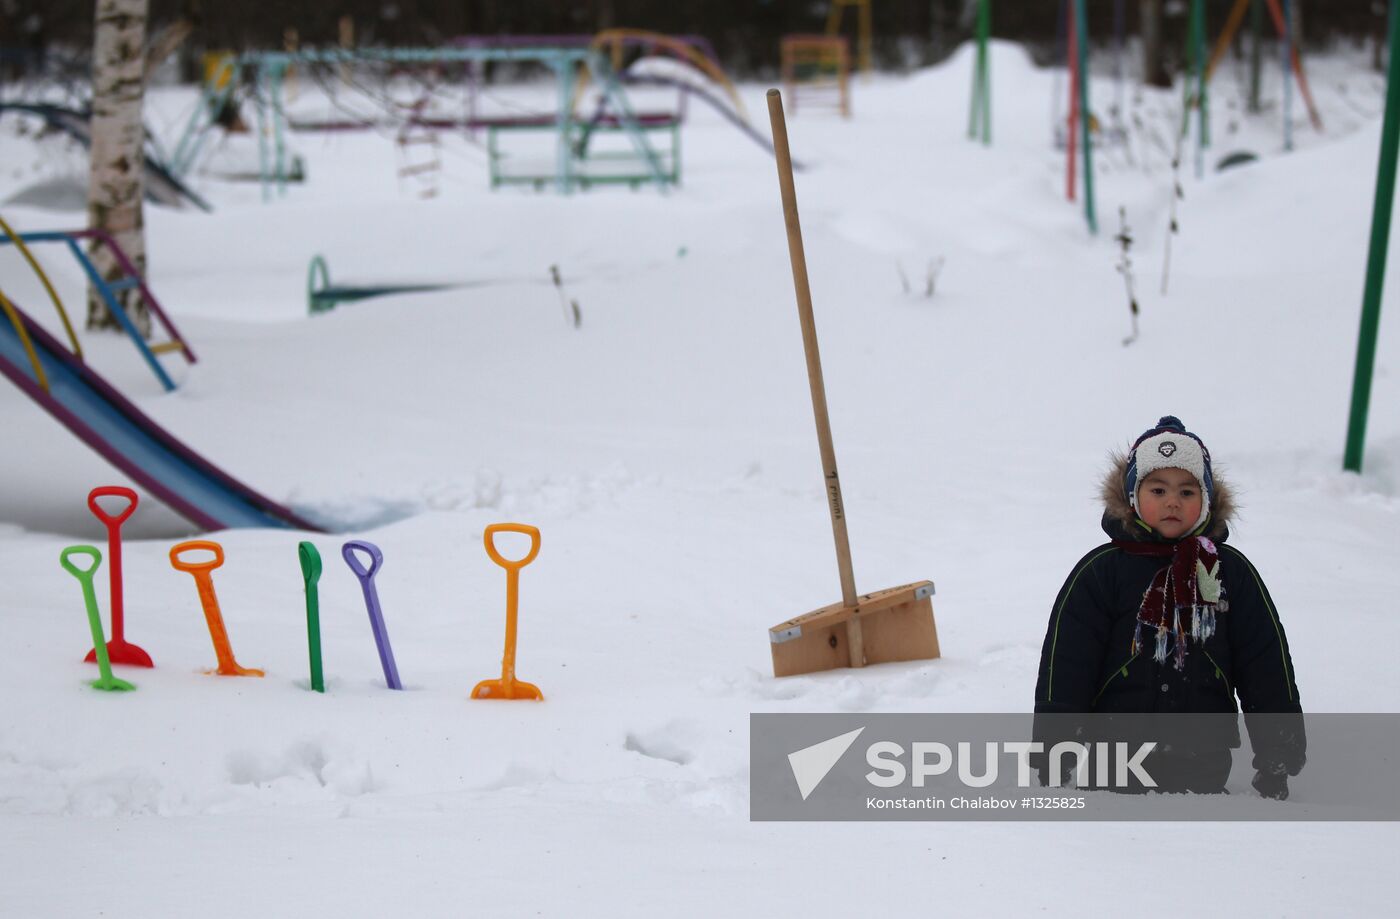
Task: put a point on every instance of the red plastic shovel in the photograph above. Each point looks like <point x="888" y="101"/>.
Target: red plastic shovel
<point x="119" y="650"/>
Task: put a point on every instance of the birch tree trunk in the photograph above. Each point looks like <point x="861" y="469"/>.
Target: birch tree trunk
<point x="114" y="180"/>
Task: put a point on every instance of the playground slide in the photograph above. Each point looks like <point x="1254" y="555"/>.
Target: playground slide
<point x="160" y="185"/>
<point x="696" y="87"/>
<point x="89" y="407"/>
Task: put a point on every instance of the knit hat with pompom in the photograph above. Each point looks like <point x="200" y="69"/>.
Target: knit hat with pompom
<point x="1170" y="446"/>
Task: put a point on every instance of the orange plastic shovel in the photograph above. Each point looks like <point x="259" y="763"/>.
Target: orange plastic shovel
<point x="204" y="580"/>
<point x="508" y="687"/>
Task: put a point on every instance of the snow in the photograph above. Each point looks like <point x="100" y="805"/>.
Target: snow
<point x="665" y="451"/>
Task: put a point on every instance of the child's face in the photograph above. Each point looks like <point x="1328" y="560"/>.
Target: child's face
<point x="1169" y="501"/>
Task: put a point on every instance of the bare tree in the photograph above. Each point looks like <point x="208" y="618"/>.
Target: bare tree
<point x="1154" y="72"/>
<point x="165" y="43"/>
<point x="114" y="179"/>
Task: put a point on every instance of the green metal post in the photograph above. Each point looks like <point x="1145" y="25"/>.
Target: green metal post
<point x="1190" y="69"/>
<point x="974" y="104"/>
<point x="612" y="88"/>
<point x="260" y="102"/>
<point x="211" y="101"/>
<point x="1081" y="27"/>
<point x="1191" y="90"/>
<point x="563" y="178"/>
<point x="279" y="119"/>
<point x="675" y="176"/>
<point x="985" y="28"/>
<point x="1202" y="94"/>
<point x="1375" y="261"/>
<point x="980" y="115"/>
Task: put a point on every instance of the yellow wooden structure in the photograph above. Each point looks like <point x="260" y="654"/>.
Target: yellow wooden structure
<point x="864" y="31"/>
<point x="816" y="72"/>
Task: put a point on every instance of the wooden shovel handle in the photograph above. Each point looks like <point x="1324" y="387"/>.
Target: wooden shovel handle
<point x="809" y="344"/>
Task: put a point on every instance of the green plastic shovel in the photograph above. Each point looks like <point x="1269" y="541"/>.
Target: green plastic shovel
<point x="311" y="574"/>
<point x="104" y="665"/>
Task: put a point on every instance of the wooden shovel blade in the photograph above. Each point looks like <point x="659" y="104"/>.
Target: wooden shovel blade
<point x="895" y="624"/>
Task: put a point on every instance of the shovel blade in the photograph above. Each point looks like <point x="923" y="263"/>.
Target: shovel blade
<point x="507" y="689"/>
<point x="896" y="625"/>
<point x="112" y="684"/>
<point x="123" y="652"/>
<point x="234" y="670"/>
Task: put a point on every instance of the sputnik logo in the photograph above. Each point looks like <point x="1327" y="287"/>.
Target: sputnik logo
<point x="811" y="764"/>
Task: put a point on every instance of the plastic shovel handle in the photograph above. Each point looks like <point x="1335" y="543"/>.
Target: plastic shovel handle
<point x="195" y="545"/>
<point x="83" y="575"/>
<point x="489" y="538"/>
<point x="311" y="574"/>
<point x="112" y="521"/>
<point x="347" y="551"/>
<point x="310" y="563"/>
<point x="204" y="583"/>
<point x="125" y="654"/>
<point x="376" y="612"/>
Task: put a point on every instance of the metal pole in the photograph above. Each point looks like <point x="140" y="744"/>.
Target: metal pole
<point x="980" y="117"/>
<point x="261" y="104"/>
<point x="279" y="118"/>
<point x="1375" y="262"/>
<point x="1202" y="99"/>
<point x="986" y="30"/>
<point x="1072" y="124"/>
<point x="1256" y="25"/>
<point x="1081" y="28"/>
<point x="563" y="179"/>
<point x="1190" y="87"/>
<point x="1118" y="29"/>
<point x="1287" y="83"/>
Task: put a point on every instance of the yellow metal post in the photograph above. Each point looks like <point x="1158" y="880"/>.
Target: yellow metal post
<point x="864" y="28"/>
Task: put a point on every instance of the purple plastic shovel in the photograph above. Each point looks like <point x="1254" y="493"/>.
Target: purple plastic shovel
<point x="376" y="615"/>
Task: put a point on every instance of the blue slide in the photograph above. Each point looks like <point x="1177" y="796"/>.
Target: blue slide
<point x="130" y="440"/>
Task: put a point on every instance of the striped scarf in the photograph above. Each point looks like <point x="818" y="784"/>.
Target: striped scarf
<point x="1182" y="599"/>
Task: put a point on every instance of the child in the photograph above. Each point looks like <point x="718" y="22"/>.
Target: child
<point x="1167" y="618"/>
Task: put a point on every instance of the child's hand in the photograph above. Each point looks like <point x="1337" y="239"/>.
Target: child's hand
<point x="1272" y="782"/>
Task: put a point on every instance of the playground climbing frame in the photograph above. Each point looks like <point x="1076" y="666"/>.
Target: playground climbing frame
<point x="270" y="69"/>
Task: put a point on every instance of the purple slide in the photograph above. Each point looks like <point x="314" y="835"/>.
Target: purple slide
<point x="108" y="423"/>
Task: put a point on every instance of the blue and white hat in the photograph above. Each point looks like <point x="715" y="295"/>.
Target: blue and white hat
<point x="1170" y="446"/>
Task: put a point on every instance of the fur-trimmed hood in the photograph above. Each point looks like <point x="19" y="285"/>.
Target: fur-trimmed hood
<point x="1119" y="518"/>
